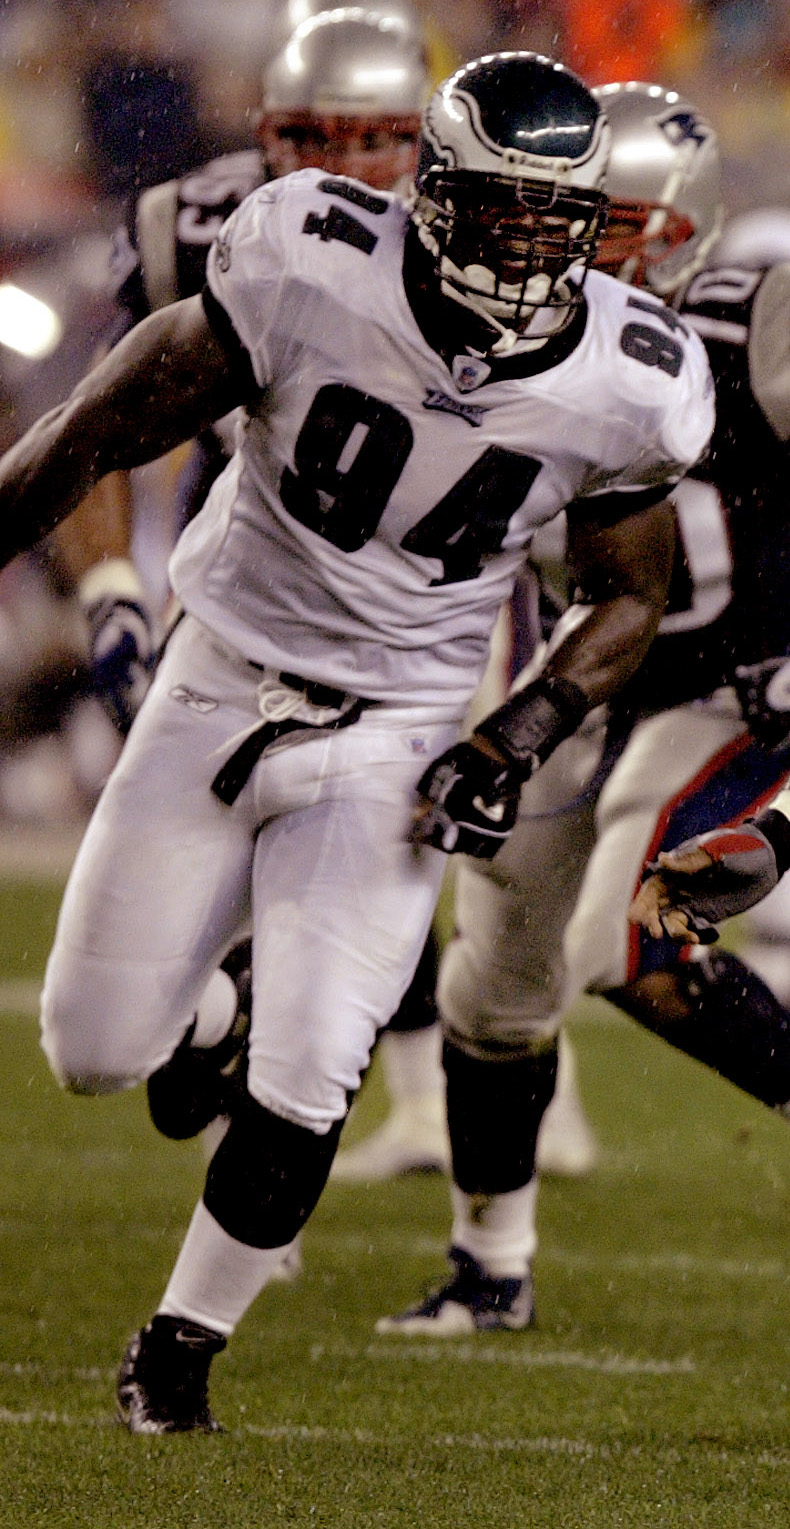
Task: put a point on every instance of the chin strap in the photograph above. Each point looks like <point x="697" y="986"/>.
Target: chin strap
<point x="507" y="337"/>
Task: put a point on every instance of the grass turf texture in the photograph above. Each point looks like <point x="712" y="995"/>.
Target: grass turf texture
<point x="652" y="1393"/>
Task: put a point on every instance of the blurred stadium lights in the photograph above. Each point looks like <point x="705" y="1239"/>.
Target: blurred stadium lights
<point x="27" y="325"/>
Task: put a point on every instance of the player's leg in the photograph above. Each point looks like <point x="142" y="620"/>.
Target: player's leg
<point x="341" y="909"/>
<point x="683" y="772"/>
<point x="500" y="995"/>
<point x="193" y="1089"/>
<point x="158" y="889"/>
<point x="567" y="1146"/>
<point x="413" y="1137"/>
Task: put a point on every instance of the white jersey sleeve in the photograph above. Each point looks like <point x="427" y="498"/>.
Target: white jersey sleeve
<point x="654" y="381"/>
<point x="245" y="272"/>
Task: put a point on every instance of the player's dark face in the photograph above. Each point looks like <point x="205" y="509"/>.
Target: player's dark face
<point x="379" y="150"/>
<point x="505" y="234"/>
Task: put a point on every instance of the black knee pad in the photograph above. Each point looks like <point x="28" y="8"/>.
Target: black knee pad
<point x="494" y="1110"/>
<point x="267" y="1175"/>
<point x="737" y="1027"/>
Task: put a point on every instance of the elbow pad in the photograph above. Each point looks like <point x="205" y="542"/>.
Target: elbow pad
<point x="528" y="727"/>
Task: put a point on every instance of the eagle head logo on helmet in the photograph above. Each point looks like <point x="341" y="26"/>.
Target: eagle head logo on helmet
<point x="509" y="197"/>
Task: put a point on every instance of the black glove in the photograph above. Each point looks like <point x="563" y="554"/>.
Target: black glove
<point x="473" y="803"/>
<point x="764" y="693"/>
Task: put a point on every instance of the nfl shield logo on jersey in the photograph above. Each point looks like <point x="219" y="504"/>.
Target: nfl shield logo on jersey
<point x="469" y="372"/>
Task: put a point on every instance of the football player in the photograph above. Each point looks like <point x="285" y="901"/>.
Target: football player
<point x="692" y="737"/>
<point x="425" y="384"/>
<point x="345" y="93"/>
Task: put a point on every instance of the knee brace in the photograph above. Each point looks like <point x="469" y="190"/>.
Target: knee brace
<point x="494" y="1110"/>
<point x="737" y="1026"/>
<point x="267" y="1175"/>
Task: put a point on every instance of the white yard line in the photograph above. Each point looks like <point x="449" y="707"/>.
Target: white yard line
<point x="395" y="1244"/>
<point x="475" y="1443"/>
<point x="513" y="1358"/>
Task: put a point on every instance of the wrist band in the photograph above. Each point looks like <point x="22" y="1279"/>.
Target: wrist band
<point x="534" y="720"/>
<point x="114" y="578"/>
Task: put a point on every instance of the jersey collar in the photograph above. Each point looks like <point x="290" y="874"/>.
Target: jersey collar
<point x="430" y="315"/>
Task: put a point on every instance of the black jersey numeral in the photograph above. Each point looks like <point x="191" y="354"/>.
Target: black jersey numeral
<point x="339" y="224"/>
<point x="666" y="316"/>
<point x="348" y="457"/>
<point x="350" y="453"/>
<point x="644" y="343"/>
<point x="358" y="196"/>
<point x="471" y="521"/>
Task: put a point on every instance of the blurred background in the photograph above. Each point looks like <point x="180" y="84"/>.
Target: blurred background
<point x="99" y="100"/>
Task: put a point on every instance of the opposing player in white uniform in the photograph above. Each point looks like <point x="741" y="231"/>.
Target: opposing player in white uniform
<point x="424" y="386"/>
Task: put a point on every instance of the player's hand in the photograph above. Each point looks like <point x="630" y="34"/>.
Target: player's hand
<point x="705" y="880"/>
<point x="122" y="654"/>
<point x="764" y="693"/>
<point x="468" y="802"/>
<point x="121" y="640"/>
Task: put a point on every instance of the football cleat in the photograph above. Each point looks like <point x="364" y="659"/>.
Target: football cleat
<point x="163" y="1378"/>
<point x="199" y="1083"/>
<point x="566" y="1145"/>
<point x="411" y="1140"/>
<point x="472" y="1301"/>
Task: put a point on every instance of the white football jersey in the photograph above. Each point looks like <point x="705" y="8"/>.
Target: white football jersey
<point x="378" y="505"/>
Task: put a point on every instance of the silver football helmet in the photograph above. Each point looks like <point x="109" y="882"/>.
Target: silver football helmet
<point x="755" y="239"/>
<point x="509" y="198"/>
<point x="346" y="93"/>
<point x="664" y="187"/>
<point x="291" y="14"/>
<point x="353" y="60"/>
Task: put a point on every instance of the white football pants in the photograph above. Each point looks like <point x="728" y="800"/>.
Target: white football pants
<point x="312" y="854"/>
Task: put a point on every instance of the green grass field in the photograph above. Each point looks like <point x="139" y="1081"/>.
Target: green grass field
<point x="653" y="1392"/>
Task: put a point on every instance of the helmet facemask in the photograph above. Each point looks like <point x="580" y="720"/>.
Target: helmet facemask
<point x="508" y="247"/>
<point x="639" y="237"/>
<point x="378" y="147"/>
<point x="664" y="186"/>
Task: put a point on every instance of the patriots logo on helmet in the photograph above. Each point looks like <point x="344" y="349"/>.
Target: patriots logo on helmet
<point x="685" y="127"/>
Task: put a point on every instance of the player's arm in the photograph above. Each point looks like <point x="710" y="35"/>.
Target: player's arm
<point x="715" y="876"/>
<point x="167" y="379"/>
<point x="469" y="796"/>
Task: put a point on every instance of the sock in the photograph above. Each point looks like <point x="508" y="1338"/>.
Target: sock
<point x="216" y="1278"/>
<point x="498" y="1230"/>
